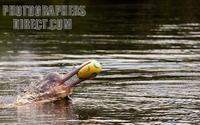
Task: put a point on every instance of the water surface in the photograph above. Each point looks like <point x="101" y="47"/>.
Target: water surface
<point x="150" y="51"/>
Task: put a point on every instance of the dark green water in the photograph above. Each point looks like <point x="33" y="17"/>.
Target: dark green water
<point x="150" y="51"/>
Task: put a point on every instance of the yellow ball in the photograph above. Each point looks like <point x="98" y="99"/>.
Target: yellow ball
<point x="88" y="70"/>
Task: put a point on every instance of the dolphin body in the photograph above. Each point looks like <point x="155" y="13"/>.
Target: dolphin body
<point x="55" y="86"/>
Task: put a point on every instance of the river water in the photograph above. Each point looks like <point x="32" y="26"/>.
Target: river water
<point x="150" y="53"/>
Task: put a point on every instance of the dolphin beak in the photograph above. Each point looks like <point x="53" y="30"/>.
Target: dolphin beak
<point x="76" y="82"/>
<point x="73" y="72"/>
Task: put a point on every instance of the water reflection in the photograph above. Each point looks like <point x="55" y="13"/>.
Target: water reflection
<point x="59" y="112"/>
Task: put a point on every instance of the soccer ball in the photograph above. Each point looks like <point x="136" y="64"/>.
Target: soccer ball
<point x="93" y="68"/>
